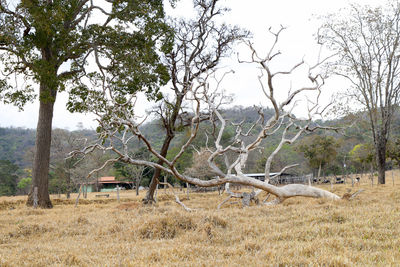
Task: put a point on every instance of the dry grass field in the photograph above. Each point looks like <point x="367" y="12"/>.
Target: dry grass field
<point x="361" y="232"/>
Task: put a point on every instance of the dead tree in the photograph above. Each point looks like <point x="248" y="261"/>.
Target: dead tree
<point x="200" y="44"/>
<point x="198" y="47"/>
<point x="367" y="41"/>
<point x="119" y="126"/>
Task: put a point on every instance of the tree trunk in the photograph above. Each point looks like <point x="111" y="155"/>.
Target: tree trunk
<point x="137" y="185"/>
<point x="372" y="174"/>
<point x="68" y="193"/>
<point x="381" y="159"/>
<point x="169" y="127"/>
<point x="153" y="186"/>
<point x="40" y="173"/>
<point x="319" y="171"/>
<point x="149" y="199"/>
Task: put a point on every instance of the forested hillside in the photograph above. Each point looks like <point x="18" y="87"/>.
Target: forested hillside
<point x="15" y="144"/>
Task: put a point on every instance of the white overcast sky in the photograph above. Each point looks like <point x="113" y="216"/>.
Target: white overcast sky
<point x="254" y="15"/>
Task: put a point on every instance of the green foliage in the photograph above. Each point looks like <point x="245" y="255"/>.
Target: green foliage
<point x="141" y="70"/>
<point x="319" y="150"/>
<point x="58" y="184"/>
<point x="24" y="183"/>
<point x="8" y="178"/>
<point x="37" y="37"/>
<point x="16" y="144"/>
<point x="393" y="150"/>
<point x="129" y="172"/>
<point x="363" y="153"/>
<point x="286" y="156"/>
<point x="184" y="162"/>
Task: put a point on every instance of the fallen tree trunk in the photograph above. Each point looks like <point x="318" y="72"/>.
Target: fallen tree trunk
<point x="282" y="193"/>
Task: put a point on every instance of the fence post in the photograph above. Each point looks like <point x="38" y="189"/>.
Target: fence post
<point x="392" y="177"/>
<point x="79" y="194"/>
<point x="118" y="193"/>
<point x="155" y="194"/>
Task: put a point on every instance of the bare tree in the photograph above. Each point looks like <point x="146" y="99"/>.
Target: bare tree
<point x="367" y="42"/>
<point x="206" y="100"/>
<point x="200" y="167"/>
<point x="200" y="44"/>
<point x="62" y="143"/>
<point x="134" y="173"/>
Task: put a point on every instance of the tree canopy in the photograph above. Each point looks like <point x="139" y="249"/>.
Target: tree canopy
<point x="319" y="150"/>
<point x="51" y="43"/>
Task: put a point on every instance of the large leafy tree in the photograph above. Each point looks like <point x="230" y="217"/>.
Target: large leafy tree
<point x="363" y="154"/>
<point x="319" y="150"/>
<point x="50" y="43"/>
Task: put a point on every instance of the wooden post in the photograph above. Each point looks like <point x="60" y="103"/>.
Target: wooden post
<point x="85" y="190"/>
<point x="187" y="190"/>
<point x="118" y="193"/>
<point x="35" y="197"/>
<point x="392" y="177"/>
<point x="77" y="198"/>
<point x="137" y="185"/>
<point x="155" y="194"/>
<point x="372" y="175"/>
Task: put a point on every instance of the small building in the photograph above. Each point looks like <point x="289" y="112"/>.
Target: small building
<point x="108" y="184"/>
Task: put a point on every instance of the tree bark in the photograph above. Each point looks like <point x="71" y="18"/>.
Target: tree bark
<point x="319" y="171"/>
<point x="68" y="193"/>
<point x="40" y="173"/>
<point x="138" y="184"/>
<point x="381" y="159"/>
<point x="372" y="174"/>
<point x="149" y="199"/>
<point x="169" y="125"/>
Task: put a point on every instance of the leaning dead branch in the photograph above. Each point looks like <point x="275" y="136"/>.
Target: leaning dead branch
<point x="350" y="196"/>
<point x="177" y="200"/>
<point x="245" y="196"/>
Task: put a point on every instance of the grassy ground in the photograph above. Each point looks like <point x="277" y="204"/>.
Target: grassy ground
<point x="363" y="232"/>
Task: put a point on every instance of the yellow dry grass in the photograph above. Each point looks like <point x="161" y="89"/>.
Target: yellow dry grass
<point x="363" y="232"/>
